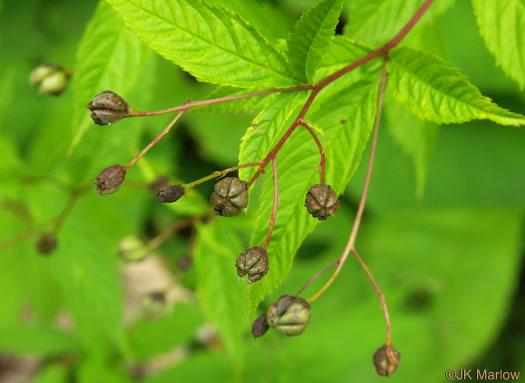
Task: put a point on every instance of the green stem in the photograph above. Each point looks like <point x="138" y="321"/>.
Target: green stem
<point x="218" y="173"/>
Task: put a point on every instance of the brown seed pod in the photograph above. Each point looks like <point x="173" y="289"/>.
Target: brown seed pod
<point x="229" y="197"/>
<point x="321" y="201"/>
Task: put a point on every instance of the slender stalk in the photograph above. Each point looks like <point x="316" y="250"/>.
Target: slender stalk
<point x="195" y="104"/>
<point x="312" y="280"/>
<point x="50" y="180"/>
<point x="73" y="198"/>
<point x="169" y="232"/>
<point x="57" y="221"/>
<point x="23" y="235"/>
<point x="388" y="341"/>
<point x="336" y="75"/>
<point x="362" y="202"/>
<point x="322" y="164"/>
<point x="155" y="141"/>
<point x="219" y="173"/>
<point x="273" y="214"/>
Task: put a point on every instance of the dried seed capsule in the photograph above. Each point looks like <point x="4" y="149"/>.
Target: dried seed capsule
<point x="170" y="193"/>
<point x="254" y="262"/>
<point x="46" y="243"/>
<point x="51" y="78"/>
<point x="386" y="360"/>
<point x="230" y="196"/>
<point x="108" y="107"/>
<point x="289" y="315"/>
<point x="321" y="201"/>
<point x="260" y="326"/>
<point x="110" y="179"/>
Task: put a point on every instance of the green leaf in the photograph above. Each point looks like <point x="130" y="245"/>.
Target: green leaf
<point x="35" y="339"/>
<point x="257" y="13"/>
<point x="436" y="91"/>
<point x="152" y="337"/>
<point x="345" y="111"/>
<point x="311" y="38"/>
<point x="375" y="22"/>
<point x="52" y="374"/>
<point x="109" y="57"/>
<point x="416" y="138"/>
<point x="85" y="265"/>
<point x="212" y="43"/>
<point x="222" y="294"/>
<point x="502" y="24"/>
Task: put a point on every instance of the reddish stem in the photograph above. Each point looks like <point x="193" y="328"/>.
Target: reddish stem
<point x="312" y="280"/>
<point x="194" y="104"/>
<point x="154" y="142"/>
<point x="362" y="202"/>
<point x="336" y="75"/>
<point x="380" y="295"/>
<point x="322" y="164"/>
<point x="273" y="215"/>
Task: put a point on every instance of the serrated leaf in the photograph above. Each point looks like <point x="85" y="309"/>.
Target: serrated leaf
<point x="345" y="111"/>
<point x="436" y="91"/>
<point x="267" y="129"/>
<point x="108" y="57"/>
<point x="212" y="43"/>
<point x="415" y="137"/>
<point x="258" y="13"/>
<point x="310" y="39"/>
<point x="222" y="295"/>
<point x="501" y="24"/>
<point x="375" y="22"/>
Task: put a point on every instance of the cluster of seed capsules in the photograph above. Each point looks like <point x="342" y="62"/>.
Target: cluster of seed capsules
<point x="289" y="314"/>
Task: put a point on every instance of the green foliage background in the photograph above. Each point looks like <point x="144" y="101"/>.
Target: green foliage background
<point x="443" y="229"/>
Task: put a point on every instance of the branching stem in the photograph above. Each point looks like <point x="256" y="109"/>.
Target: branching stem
<point x="154" y="142"/>
<point x="219" y="173"/>
<point x="195" y="104"/>
<point x="338" y="74"/>
<point x="357" y="222"/>
<point x="388" y="341"/>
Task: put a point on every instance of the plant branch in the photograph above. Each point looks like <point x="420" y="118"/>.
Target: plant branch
<point x="57" y="221"/>
<point x="169" y="232"/>
<point x="155" y="141"/>
<point x="388" y="341"/>
<point x="73" y="198"/>
<point x="322" y="164"/>
<point x="219" y="173"/>
<point x="336" y="75"/>
<point x="357" y="222"/>
<point x="195" y="104"/>
<point x="273" y="214"/>
<point x="312" y="280"/>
